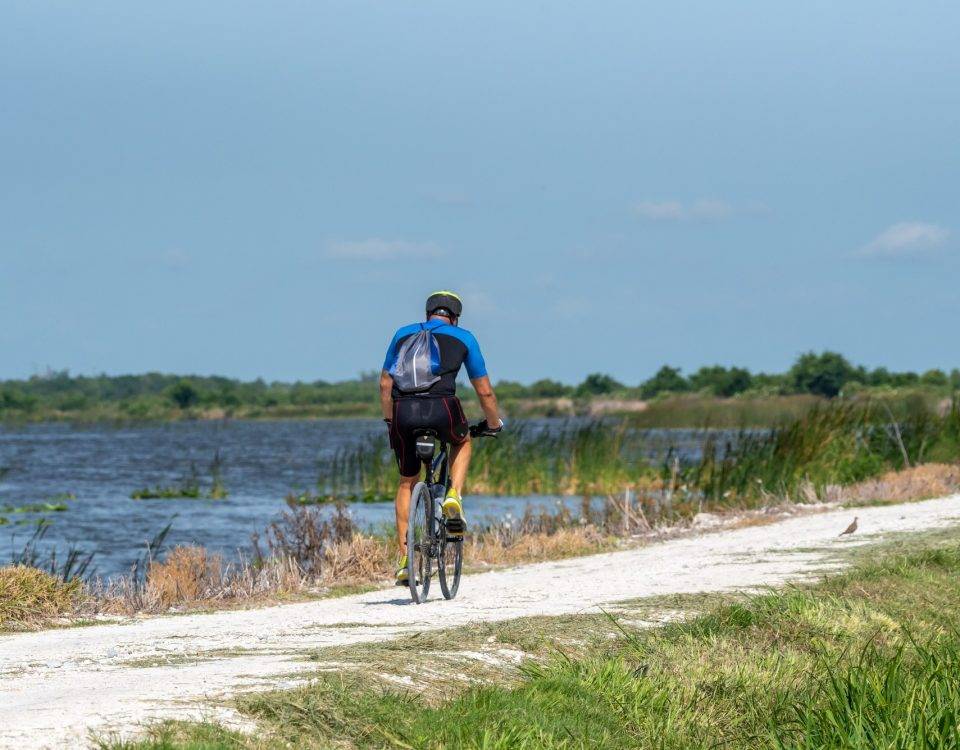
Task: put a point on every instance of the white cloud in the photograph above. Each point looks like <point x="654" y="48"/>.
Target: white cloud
<point x="380" y="249"/>
<point x="905" y="239"/>
<point x="662" y="211"/>
<point x="710" y="210"/>
<point x="700" y="210"/>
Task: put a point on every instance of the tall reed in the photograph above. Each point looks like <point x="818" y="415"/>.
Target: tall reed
<point x="833" y="444"/>
<point x="830" y="444"/>
<point x="577" y="458"/>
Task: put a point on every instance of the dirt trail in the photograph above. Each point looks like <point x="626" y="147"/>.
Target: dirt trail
<point x="57" y="686"/>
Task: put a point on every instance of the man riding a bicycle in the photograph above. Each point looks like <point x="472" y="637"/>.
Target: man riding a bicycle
<point x="435" y="408"/>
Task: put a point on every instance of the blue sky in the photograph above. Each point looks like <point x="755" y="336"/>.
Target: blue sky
<point x="269" y="189"/>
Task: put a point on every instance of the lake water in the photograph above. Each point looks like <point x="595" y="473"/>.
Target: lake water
<point x="262" y="462"/>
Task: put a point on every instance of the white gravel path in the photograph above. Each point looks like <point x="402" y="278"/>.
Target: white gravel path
<point x="56" y="686"/>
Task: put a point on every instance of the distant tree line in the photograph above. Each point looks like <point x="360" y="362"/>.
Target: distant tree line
<point x="62" y="392"/>
<point x="827" y="374"/>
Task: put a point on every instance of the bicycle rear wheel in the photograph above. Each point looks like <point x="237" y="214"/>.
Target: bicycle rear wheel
<point x="449" y="566"/>
<point x="419" y="541"/>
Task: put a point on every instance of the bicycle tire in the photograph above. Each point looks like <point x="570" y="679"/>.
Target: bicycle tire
<point x="419" y="524"/>
<point x="454" y="548"/>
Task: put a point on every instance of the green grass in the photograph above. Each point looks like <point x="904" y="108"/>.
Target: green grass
<point x="866" y="659"/>
<point x="696" y="411"/>
<point x="838" y="443"/>
<point x="29" y="596"/>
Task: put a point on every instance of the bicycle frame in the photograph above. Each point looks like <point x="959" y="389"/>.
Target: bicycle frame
<point x="441" y="464"/>
<point x="437" y="539"/>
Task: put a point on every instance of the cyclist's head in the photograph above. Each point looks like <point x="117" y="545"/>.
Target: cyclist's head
<point x="445" y="303"/>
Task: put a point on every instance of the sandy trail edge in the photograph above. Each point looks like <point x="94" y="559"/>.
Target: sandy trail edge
<point x="56" y="686"/>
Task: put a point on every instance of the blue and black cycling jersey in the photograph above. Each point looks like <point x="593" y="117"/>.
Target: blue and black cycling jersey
<point x="458" y="347"/>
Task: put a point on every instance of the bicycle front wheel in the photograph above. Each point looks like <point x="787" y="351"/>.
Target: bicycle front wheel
<point x="449" y="566"/>
<point x="419" y="541"/>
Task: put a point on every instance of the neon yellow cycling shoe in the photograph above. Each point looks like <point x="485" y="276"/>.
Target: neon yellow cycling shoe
<point x="402" y="575"/>
<point x="453" y="511"/>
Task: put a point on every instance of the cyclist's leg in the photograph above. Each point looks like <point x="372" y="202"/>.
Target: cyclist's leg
<point x="458" y="435"/>
<point x="405" y="419"/>
<point x="459" y="463"/>
<point x="402" y="505"/>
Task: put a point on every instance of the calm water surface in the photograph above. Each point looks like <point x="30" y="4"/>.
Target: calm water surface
<point x="262" y="462"/>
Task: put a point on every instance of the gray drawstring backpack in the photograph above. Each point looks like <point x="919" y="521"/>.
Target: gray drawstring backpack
<point x="418" y="362"/>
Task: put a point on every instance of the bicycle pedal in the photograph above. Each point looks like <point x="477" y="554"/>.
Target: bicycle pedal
<point x="456" y="526"/>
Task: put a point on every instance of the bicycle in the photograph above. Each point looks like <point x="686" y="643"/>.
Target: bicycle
<point x="431" y="537"/>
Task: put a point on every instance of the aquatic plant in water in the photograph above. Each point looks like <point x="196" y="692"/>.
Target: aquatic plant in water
<point x="46" y="507"/>
<point x="309" y="497"/>
<point x="75" y="564"/>
<point x="189" y="488"/>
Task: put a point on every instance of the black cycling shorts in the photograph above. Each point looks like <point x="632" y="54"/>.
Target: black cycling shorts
<point x="443" y="414"/>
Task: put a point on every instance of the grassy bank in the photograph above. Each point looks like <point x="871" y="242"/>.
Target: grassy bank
<point x="308" y="554"/>
<point x="863" y="659"/>
<point x="304" y="554"/>
<point x="860" y="452"/>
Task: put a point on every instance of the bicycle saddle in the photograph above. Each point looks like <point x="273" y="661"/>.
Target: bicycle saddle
<point x="425" y="443"/>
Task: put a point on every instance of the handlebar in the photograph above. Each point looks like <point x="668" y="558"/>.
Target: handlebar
<point x="482" y="430"/>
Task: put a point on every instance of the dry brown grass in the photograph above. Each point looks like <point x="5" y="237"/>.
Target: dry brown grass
<point x="29" y="597"/>
<point x="490" y="549"/>
<point x="917" y="483"/>
<point x="190" y="578"/>
<point x="187" y="574"/>
<point x="362" y="559"/>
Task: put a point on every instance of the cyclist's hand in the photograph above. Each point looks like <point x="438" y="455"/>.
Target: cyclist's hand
<point x="482" y="429"/>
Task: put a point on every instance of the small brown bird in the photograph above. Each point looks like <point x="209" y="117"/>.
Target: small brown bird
<point x="851" y="528"/>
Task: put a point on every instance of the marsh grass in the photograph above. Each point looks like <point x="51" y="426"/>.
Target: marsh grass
<point x="709" y="412"/>
<point x="577" y="458"/>
<point x="310" y="552"/>
<point x="834" y="445"/>
<point x="30" y="596"/>
<point x="828" y="445"/>
<point x="306" y="553"/>
<point x="72" y="565"/>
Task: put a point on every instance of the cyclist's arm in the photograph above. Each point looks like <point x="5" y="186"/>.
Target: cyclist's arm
<point x="477" y="372"/>
<point x="386" y="399"/>
<point x="488" y="400"/>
